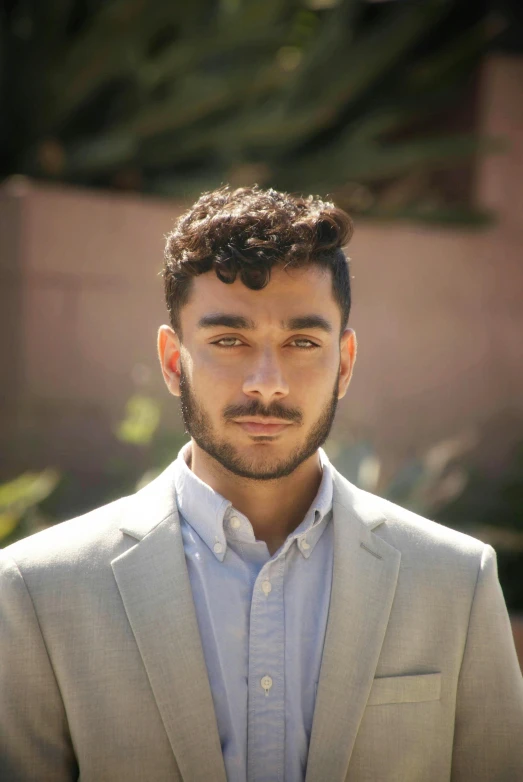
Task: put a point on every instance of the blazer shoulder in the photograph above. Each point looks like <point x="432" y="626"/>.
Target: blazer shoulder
<point x="98" y="537"/>
<point x="409" y="528"/>
<point x="408" y="532"/>
<point x="89" y="537"/>
<point x="427" y="540"/>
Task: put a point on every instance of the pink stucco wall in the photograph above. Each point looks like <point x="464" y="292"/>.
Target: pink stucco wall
<point x="437" y="313"/>
<point x="89" y="304"/>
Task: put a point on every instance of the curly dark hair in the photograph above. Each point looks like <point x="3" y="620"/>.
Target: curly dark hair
<point x="246" y="232"/>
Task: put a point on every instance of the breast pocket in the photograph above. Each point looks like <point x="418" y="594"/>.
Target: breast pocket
<point x="405" y="689"/>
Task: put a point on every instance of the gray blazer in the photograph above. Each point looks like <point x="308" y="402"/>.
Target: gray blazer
<point x="102" y="674"/>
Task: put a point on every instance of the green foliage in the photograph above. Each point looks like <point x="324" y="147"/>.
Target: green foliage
<point x="20" y="498"/>
<point x="142" y="416"/>
<point x="34" y="501"/>
<point x="176" y="98"/>
<point x="444" y="484"/>
<point x="424" y="484"/>
<point x="491" y="509"/>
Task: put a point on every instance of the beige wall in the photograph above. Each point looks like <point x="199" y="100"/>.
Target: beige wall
<point x="437" y="313"/>
<point x="89" y="301"/>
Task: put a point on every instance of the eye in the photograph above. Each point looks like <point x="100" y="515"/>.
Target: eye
<point x="304" y="344"/>
<point x="228" y="342"/>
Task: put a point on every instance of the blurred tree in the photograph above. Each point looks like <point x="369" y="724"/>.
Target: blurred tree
<point x="20" y="500"/>
<point x="34" y="501"/>
<point x="348" y="97"/>
<point x="491" y="508"/>
<point x="445" y="483"/>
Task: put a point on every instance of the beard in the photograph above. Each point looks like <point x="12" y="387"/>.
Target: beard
<point x="198" y="425"/>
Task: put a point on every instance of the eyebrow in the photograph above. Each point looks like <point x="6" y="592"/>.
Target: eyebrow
<point x="229" y="321"/>
<point x="299" y="323"/>
<point x="304" y="322"/>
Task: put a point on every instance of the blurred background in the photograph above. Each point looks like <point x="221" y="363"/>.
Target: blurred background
<point x="116" y="114"/>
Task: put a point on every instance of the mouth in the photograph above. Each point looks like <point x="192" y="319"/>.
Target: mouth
<point x="263" y="426"/>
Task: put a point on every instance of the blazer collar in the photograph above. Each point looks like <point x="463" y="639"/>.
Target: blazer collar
<point x="365" y="574"/>
<point x="151" y="505"/>
<point x="154" y="584"/>
<point x="361" y="506"/>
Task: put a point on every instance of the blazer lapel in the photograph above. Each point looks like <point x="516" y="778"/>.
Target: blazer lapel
<point x="365" y="573"/>
<point x="154" y="584"/>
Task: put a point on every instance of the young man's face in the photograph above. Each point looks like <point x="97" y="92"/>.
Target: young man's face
<point x="259" y="373"/>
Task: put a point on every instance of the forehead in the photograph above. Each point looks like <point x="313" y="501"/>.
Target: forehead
<point x="290" y="293"/>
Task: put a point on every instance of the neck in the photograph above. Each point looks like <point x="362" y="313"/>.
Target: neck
<point x="274" y="508"/>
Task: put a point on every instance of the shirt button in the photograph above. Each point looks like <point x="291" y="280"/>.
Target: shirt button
<point x="304" y="545"/>
<point x="266" y="683"/>
<point x="217" y="548"/>
<point x="266" y="586"/>
<point x="235" y="522"/>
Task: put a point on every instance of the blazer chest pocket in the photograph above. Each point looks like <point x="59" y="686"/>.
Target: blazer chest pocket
<point x="405" y="689"/>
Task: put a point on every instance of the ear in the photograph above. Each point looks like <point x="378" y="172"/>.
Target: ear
<point x="169" y="355"/>
<point x="348" y="350"/>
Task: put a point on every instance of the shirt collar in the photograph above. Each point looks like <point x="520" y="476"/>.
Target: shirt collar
<point x="209" y="513"/>
<point x="201" y="507"/>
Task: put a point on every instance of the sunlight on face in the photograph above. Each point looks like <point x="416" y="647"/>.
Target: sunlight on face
<point x="262" y="371"/>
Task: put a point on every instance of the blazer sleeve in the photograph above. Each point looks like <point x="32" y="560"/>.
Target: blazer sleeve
<point x="488" y="738"/>
<point x="34" y="738"/>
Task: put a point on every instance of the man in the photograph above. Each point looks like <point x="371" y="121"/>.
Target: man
<point x="251" y="615"/>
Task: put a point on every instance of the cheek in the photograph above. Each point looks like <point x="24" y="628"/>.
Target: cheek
<point x="217" y="378"/>
<point x="315" y="375"/>
<point x="214" y="385"/>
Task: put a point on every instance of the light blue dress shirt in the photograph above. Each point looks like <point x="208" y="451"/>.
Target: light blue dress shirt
<point x="262" y="622"/>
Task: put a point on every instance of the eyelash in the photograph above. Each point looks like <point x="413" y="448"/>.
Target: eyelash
<point x="310" y="346"/>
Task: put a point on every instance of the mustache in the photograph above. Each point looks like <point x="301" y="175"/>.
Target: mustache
<point x="255" y="408"/>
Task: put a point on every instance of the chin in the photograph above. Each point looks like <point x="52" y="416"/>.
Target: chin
<point x="265" y="460"/>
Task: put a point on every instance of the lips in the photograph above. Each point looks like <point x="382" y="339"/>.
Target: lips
<point x="255" y="427"/>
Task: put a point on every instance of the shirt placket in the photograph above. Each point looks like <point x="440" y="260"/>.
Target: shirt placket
<point x="266" y="704"/>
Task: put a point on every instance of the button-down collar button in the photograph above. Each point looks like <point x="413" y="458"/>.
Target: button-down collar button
<point x="266" y="586"/>
<point x="217" y="548"/>
<point x="266" y="683"/>
<point x="304" y="545"/>
<point x="235" y="522"/>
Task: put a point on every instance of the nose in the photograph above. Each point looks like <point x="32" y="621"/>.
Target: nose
<point x="265" y="379"/>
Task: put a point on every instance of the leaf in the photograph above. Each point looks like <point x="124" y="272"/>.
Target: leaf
<point x="142" y="416"/>
<point x="189" y="92"/>
<point x="352" y="68"/>
<point x="8" y="523"/>
<point x="450" y="217"/>
<point x="23" y="493"/>
<point x="364" y="162"/>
